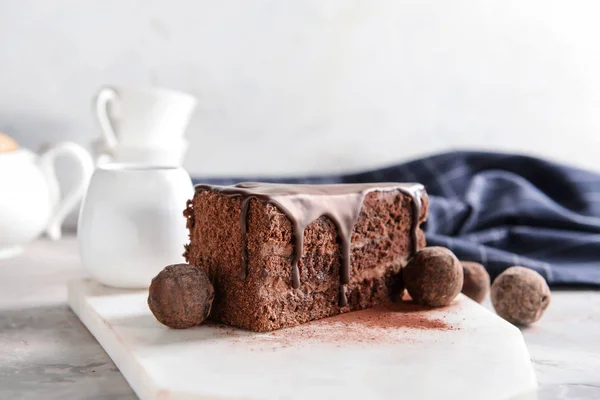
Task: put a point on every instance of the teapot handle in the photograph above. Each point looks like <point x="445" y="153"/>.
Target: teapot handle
<point x="63" y="207"/>
<point x="106" y="97"/>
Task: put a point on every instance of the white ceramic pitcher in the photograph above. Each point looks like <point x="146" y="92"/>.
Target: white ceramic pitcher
<point x="131" y="223"/>
<point x="143" y="117"/>
<point x="30" y="200"/>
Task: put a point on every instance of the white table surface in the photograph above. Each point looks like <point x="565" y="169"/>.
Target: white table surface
<point x="45" y="352"/>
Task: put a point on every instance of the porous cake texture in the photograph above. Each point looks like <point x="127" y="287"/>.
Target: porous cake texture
<point x="246" y="244"/>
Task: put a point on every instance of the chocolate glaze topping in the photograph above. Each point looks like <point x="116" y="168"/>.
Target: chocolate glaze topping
<point x="303" y="204"/>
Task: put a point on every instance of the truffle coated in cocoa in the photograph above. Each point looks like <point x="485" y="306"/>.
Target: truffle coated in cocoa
<point x="181" y="296"/>
<point x="476" y="281"/>
<point x="433" y="277"/>
<point x="520" y="295"/>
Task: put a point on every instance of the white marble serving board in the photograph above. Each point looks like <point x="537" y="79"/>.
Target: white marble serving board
<point x="470" y="353"/>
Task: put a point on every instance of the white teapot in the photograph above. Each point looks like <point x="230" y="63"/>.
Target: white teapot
<point x="30" y="200"/>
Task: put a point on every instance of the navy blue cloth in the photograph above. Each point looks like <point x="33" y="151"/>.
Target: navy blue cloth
<point x="501" y="210"/>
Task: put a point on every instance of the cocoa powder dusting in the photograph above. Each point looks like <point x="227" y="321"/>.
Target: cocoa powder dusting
<point x="402" y="322"/>
<point x="395" y="316"/>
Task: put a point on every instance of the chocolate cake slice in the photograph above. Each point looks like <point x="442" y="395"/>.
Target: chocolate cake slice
<point x="283" y="255"/>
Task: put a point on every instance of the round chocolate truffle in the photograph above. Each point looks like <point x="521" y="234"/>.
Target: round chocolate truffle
<point x="433" y="277"/>
<point x="181" y="296"/>
<point x="520" y="295"/>
<point x="476" y="282"/>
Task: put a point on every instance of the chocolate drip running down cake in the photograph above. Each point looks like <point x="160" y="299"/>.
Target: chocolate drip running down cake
<point x="282" y="255"/>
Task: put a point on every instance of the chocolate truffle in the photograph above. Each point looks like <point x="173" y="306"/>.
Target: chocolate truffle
<point x="181" y="296"/>
<point x="433" y="277"/>
<point x="476" y="282"/>
<point x="520" y="295"/>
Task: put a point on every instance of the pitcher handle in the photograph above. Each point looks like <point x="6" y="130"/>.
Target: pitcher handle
<point x="106" y="97"/>
<point x="65" y="206"/>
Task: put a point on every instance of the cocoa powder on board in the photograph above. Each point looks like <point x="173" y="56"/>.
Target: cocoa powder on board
<point x="402" y="322"/>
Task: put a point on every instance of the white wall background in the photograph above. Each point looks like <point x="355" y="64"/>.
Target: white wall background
<point x="305" y="86"/>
